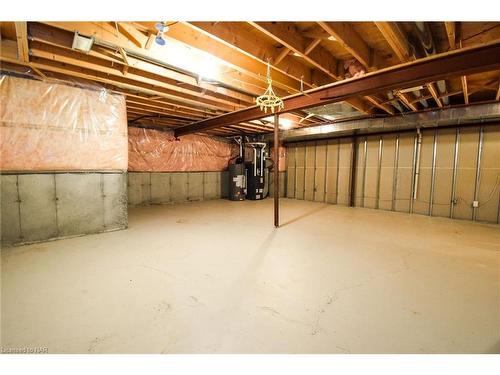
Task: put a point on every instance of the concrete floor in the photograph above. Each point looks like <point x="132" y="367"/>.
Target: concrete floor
<point x="215" y="277"/>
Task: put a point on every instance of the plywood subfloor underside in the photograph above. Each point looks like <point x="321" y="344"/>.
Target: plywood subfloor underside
<point x="215" y="277"/>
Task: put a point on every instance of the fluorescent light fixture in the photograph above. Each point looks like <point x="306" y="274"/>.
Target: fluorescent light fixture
<point x="332" y="38"/>
<point x="296" y="54"/>
<point x="82" y="43"/>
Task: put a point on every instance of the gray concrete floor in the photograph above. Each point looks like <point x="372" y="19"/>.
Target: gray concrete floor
<point x="215" y="277"/>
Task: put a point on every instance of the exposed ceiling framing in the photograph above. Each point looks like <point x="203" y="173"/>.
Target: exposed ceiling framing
<point x="303" y="56"/>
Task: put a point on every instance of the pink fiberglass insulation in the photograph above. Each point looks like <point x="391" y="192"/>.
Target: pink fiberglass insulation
<point x="157" y="151"/>
<point x="50" y="127"/>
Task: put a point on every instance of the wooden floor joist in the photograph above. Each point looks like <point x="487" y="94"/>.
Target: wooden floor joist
<point x="454" y="63"/>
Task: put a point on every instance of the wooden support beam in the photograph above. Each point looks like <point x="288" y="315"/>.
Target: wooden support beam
<point x="179" y="35"/>
<point x="445" y="95"/>
<point x="465" y="89"/>
<point x="286" y="34"/>
<point x="132" y="33"/>
<point x="247" y="53"/>
<point x="124" y="55"/>
<point x="39" y="72"/>
<point x="403" y="98"/>
<point x="380" y="105"/>
<point x="314" y="43"/>
<point x="497" y="97"/>
<point x="351" y="41"/>
<point x="284" y="53"/>
<point x="396" y="39"/>
<point x="150" y="41"/>
<point x="451" y="33"/>
<point x="435" y="95"/>
<point x="125" y="60"/>
<point x="105" y="61"/>
<point x="86" y="65"/>
<point x="469" y="60"/>
<point x="22" y="41"/>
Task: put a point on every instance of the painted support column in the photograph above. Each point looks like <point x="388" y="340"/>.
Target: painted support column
<point x="276" y="172"/>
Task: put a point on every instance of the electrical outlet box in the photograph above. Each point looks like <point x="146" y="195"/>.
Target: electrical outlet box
<point x="475" y="204"/>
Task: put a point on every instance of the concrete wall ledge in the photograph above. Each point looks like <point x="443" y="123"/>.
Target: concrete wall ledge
<point x="41" y="206"/>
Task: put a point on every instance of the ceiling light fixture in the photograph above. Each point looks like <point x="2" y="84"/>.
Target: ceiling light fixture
<point x="162" y="28"/>
<point x="269" y="100"/>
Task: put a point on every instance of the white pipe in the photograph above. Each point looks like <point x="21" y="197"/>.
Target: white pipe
<point x="417" y="163"/>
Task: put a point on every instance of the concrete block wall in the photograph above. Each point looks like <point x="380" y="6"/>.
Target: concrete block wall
<point x="146" y="188"/>
<point x="41" y="206"/>
<point x="457" y="167"/>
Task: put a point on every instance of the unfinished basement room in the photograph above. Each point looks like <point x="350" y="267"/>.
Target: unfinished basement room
<point x="196" y="187"/>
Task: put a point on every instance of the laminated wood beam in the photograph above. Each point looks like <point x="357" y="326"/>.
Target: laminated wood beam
<point x="435" y="95"/>
<point x="465" y="89"/>
<point x="138" y="38"/>
<point x="242" y="40"/>
<point x="243" y="62"/>
<point x="104" y="33"/>
<point x="455" y="63"/>
<point x="285" y="34"/>
<point x="377" y="104"/>
<point x="402" y="96"/>
<point x="48" y="35"/>
<point x="82" y="66"/>
<point x="22" y="41"/>
<point x="314" y="43"/>
<point x="352" y="42"/>
<point x="396" y="39"/>
<point x="451" y="33"/>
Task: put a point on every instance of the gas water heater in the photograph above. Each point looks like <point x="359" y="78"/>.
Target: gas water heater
<point x="255" y="173"/>
<point x="237" y="178"/>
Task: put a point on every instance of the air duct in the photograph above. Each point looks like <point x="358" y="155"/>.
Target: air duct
<point x="426" y="42"/>
<point x="463" y="115"/>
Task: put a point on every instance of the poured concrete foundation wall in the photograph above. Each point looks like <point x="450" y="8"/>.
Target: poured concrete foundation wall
<point x="146" y="188"/>
<point x="42" y="206"/>
<point x="175" y="187"/>
<point x="458" y="166"/>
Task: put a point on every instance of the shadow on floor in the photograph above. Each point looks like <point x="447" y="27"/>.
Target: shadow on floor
<point x="303" y="216"/>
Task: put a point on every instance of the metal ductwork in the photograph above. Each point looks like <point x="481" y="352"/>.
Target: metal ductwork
<point x="394" y="102"/>
<point x="463" y="115"/>
<point x="424" y="37"/>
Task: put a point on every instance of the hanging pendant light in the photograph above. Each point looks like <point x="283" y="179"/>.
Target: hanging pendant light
<point x="269" y="100"/>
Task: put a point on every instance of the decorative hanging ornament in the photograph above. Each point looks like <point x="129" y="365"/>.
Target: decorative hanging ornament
<point x="269" y="99"/>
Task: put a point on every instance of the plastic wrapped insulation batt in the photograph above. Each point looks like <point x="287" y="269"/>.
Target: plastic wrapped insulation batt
<point x="153" y="150"/>
<point x="48" y="126"/>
